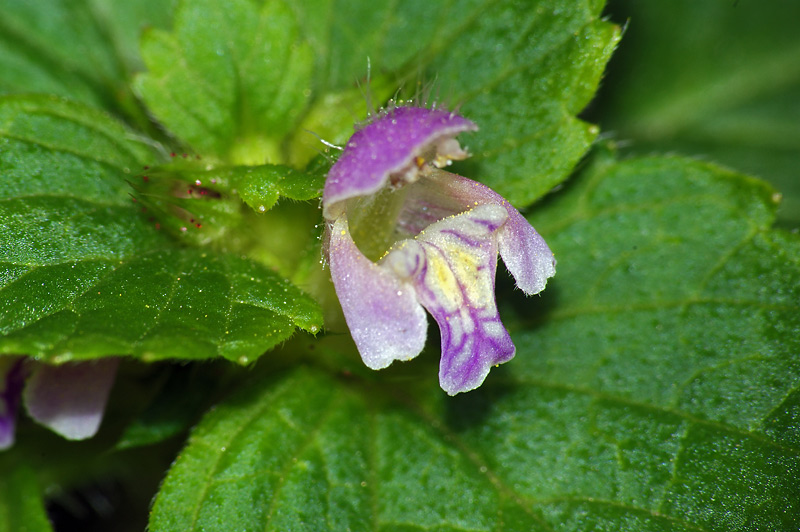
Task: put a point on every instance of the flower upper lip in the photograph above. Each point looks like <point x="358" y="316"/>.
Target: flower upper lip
<point x="386" y="147"/>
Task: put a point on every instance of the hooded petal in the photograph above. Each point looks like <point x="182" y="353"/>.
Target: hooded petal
<point x="11" y="381"/>
<point x="389" y="145"/>
<point x="385" y="319"/>
<point x="70" y="399"/>
<point x="524" y="251"/>
<point x="452" y="267"/>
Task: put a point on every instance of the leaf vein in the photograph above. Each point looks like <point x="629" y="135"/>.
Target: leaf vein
<point x="82" y="121"/>
<point x="173" y="289"/>
<point x="616" y="504"/>
<point x="577" y="312"/>
<point x="330" y="407"/>
<point x="473" y="457"/>
<point x="617" y="399"/>
<point x="61" y="149"/>
<point x="234" y="435"/>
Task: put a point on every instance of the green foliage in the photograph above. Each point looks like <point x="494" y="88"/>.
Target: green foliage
<point x="81" y="50"/>
<point x="80" y="66"/>
<point x="227" y="76"/>
<point x="230" y="80"/>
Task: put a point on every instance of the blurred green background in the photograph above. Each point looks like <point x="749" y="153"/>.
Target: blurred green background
<point x="717" y="80"/>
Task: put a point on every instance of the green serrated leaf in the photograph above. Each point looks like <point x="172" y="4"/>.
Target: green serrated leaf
<point x="40" y="134"/>
<point x="523" y="73"/>
<point x="670" y="343"/>
<point x="231" y="80"/>
<point x="655" y="388"/>
<point x="735" y="102"/>
<point x="155" y="305"/>
<point x="21" y="504"/>
<point x="256" y="183"/>
<point x="86" y="274"/>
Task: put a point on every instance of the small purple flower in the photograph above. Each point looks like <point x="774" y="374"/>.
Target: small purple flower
<point x="403" y="234"/>
<point x="69" y="399"/>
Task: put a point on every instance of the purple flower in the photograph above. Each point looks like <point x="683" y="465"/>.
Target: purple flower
<point x="69" y="399"/>
<point x="403" y="234"/>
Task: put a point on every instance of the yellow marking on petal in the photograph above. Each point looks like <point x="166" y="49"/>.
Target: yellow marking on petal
<point x="444" y="276"/>
<point x="464" y="267"/>
<point x="442" y="281"/>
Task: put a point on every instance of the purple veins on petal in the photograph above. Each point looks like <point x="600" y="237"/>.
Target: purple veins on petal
<point x="452" y="267"/>
<point x="524" y="251"/>
<point x="383" y="315"/>
<point x="70" y="399"/>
